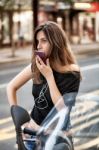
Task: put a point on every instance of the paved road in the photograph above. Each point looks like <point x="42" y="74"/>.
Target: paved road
<point x="90" y="72"/>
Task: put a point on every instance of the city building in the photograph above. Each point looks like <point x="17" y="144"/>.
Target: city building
<point x="80" y="20"/>
<point x="85" y="22"/>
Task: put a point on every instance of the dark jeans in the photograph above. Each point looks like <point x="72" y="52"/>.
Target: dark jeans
<point x="61" y="144"/>
<point x="30" y="145"/>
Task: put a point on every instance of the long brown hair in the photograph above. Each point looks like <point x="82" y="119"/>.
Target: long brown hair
<point x="60" y="50"/>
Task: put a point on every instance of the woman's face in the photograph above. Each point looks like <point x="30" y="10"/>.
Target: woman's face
<point x="43" y="44"/>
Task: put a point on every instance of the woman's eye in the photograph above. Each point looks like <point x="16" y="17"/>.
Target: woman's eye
<point x="44" y="40"/>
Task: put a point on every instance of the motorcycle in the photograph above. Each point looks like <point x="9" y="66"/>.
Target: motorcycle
<point x="50" y="136"/>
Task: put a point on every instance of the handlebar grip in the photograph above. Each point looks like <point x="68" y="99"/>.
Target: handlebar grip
<point x="29" y="131"/>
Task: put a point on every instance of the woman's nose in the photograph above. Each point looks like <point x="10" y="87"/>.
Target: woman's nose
<point x="39" y="46"/>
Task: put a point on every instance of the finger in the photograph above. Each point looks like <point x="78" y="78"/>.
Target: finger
<point x="40" y="60"/>
<point x="39" y="64"/>
<point x="37" y="61"/>
<point x="48" y="63"/>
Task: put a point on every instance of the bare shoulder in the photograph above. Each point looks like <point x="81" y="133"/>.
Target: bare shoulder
<point x="75" y="67"/>
<point x="27" y="71"/>
<point x="72" y="67"/>
<point x="27" y="68"/>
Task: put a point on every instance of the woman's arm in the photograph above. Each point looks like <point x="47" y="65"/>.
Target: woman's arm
<point x="16" y="83"/>
<point x="56" y="96"/>
<point x="47" y="72"/>
<point x="54" y="91"/>
<point x="12" y="88"/>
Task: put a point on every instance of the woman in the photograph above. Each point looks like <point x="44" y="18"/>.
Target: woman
<point x="51" y="80"/>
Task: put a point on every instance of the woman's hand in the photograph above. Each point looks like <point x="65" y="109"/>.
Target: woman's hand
<point x="32" y="126"/>
<point x="45" y="70"/>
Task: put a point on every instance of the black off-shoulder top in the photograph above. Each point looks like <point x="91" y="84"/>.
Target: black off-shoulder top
<point x="66" y="82"/>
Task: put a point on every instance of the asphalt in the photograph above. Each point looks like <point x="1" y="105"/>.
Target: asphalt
<point x="24" y="53"/>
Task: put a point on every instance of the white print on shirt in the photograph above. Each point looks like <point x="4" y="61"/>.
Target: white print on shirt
<point x="41" y="101"/>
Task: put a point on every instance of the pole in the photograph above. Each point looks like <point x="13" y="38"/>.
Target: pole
<point x="35" y="4"/>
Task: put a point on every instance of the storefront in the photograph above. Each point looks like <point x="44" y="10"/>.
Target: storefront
<point x="4" y="28"/>
<point x="22" y="27"/>
<point x="85" y="23"/>
<point x="81" y="22"/>
<point x="16" y="26"/>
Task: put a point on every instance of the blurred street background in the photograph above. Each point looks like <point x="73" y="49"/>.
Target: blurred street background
<point x="18" y="19"/>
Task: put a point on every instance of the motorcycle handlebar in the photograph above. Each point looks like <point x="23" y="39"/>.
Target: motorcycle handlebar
<point x="29" y="131"/>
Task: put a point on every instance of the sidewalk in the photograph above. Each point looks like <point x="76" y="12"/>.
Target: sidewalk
<point x="24" y="54"/>
<point x="21" y="55"/>
<point x="85" y="48"/>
